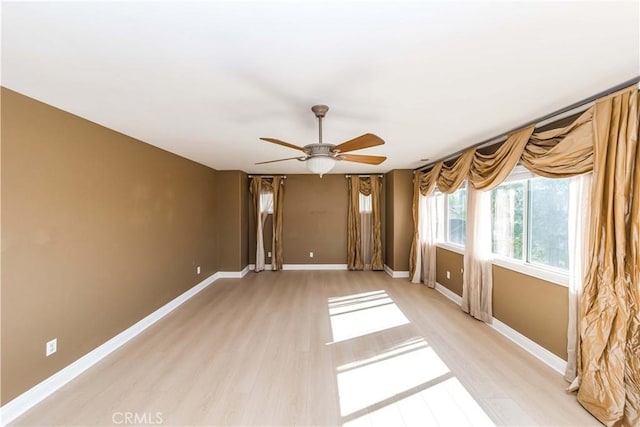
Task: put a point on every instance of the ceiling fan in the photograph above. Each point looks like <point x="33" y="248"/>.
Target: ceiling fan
<point x="321" y="158"/>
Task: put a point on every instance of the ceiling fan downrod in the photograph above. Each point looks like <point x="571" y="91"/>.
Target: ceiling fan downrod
<point x="320" y="111"/>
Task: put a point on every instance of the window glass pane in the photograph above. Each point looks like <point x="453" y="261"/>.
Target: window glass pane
<point x="507" y="220"/>
<point x="548" y="222"/>
<point x="423" y="223"/>
<point x="439" y="216"/>
<point x="266" y="202"/>
<point x="457" y="215"/>
<point x="365" y="203"/>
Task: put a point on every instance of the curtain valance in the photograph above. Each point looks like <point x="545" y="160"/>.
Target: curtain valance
<point x="556" y="153"/>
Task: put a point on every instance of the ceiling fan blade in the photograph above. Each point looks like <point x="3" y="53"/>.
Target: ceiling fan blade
<point x="285" y="144"/>
<point x="279" y="160"/>
<point x="370" y="160"/>
<point x="363" y="141"/>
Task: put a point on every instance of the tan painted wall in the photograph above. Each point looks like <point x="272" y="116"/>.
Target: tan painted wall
<point x="452" y="262"/>
<point x="399" y="221"/>
<point x="244" y="227"/>
<point x="99" y="230"/>
<point x="535" y="308"/>
<point x="389" y="179"/>
<point x="232" y="203"/>
<point x="314" y="220"/>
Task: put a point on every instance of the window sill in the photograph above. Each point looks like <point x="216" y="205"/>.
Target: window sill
<point x="556" y="277"/>
<point x="459" y="249"/>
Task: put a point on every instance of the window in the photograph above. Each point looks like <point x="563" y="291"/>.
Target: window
<point x="366" y="229"/>
<point x="549" y="222"/>
<point x="507" y="220"/>
<point x="365" y="203"/>
<point x="266" y="202"/>
<point x="451" y="216"/>
<point x="529" y="221"/>
<point x="457" y="216"/>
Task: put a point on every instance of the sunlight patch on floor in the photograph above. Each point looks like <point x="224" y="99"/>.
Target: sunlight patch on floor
<point x="445" y="404"/>
<point x="362" y="314"/>
<point x="404" y="385"/>
<point x="374" y="382"/>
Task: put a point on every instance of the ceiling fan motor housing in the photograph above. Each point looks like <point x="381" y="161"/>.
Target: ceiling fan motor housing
<point x="320" y="150"/>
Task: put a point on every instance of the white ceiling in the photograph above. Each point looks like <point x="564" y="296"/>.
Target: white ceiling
<point x="206" y="80"/>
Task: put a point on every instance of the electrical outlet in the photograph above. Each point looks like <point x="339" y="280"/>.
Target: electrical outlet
<point x="51" y="347"/>
<point x="269" y="254"/>
<point x="448" y="274"/>
<point x="198" y="269"/>
<point x="310" y="254"/>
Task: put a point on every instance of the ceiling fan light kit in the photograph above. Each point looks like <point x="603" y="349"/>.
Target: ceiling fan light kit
<point x="320" y="164"/>
<point x="321" y="158"/>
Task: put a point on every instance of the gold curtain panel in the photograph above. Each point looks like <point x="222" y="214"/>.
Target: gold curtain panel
<point x="367" y="186"/>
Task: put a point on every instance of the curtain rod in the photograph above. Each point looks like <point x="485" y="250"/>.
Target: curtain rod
<point x="503" y="136"/>
<point x="266" y="176"/>
<point x="363" y="176"/>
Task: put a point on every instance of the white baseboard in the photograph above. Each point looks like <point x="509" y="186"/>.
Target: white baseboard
<point x="232" y="274"/>
<point x="252" y="267"/>
<point x="244" y="271"/>
<point x="314" y="267"/>
<point x="541" y="353"/>
<point x="449" y="293"/>
<point x="305" y="266"/>
<point x="16" y="407"/>
<point x="396" y="274"/>
<point x="556" y="363"/>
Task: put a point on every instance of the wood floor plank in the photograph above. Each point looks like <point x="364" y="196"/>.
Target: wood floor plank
<point x="316" y="348"/>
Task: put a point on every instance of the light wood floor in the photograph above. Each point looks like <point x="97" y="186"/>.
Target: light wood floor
<point x="315" y="348"/>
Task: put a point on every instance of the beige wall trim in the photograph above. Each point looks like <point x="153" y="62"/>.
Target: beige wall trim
<point x="396" y="274"/>
<point x="16" y="407"/>
<point x="305" y="266"/>
<point x="545" y="356"/>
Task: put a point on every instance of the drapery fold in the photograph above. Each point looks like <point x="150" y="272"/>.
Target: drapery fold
<point x="579" y="199"/>
<point x="609" y="362"/>
<point x="377" y="262"/>
<point x="477" y="280"/>
<point x="562" y="152"/>
<point x="490" y="170"/>
<point x="354" y="256"/>
<point x="367" y="186"/>
<point x="277" y="187"/>
<point x="426" y="269"/>
<point x="256" y="194"/>
<point x="259" y="186"/>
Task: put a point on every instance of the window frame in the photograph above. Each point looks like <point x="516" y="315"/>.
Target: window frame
<point x="269" y="194"/>
<point x="445" y="219"/>
<point x="550" y="274"/>
<point x="369" y="199"/>
<point x="443" y="234"/>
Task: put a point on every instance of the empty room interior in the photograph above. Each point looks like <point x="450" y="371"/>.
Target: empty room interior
<point x="320" y="213"/>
